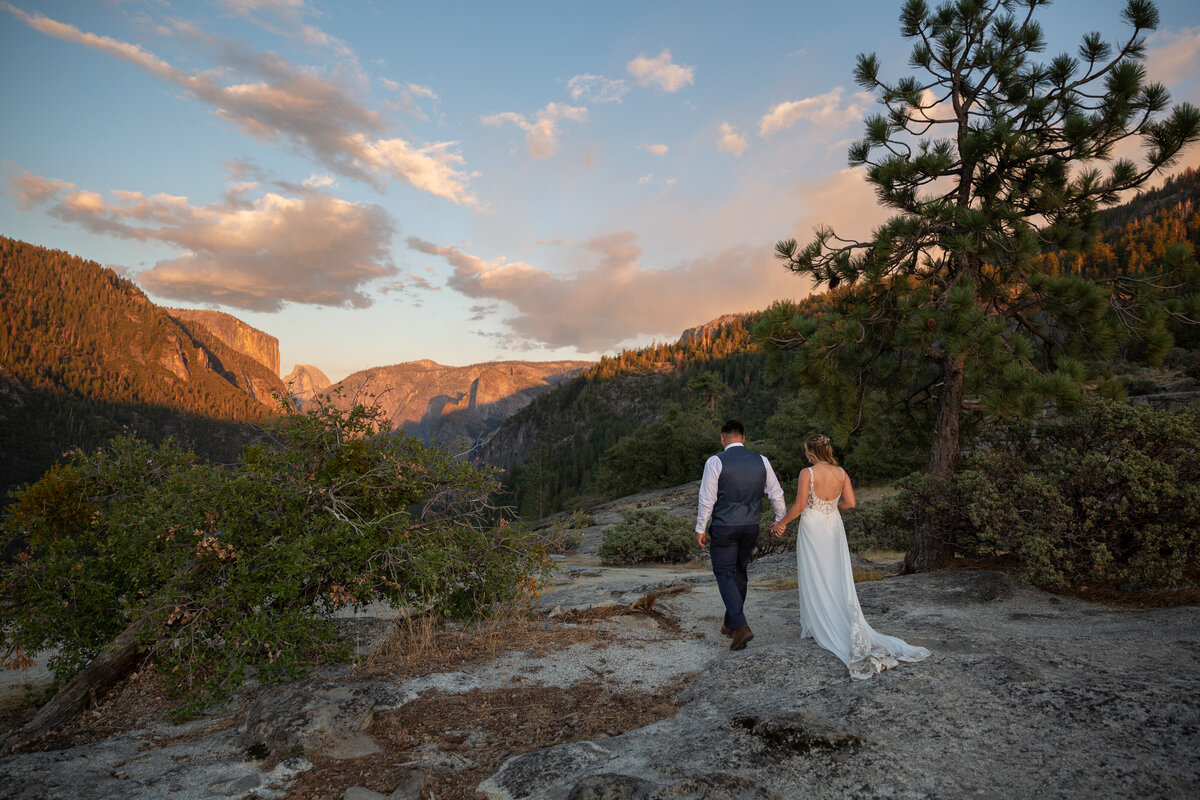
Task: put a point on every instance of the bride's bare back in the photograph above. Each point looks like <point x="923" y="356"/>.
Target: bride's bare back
<point x="828" y="483"/>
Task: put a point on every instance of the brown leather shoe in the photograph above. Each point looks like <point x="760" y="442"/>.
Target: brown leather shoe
<point x="741" y="636"/>
<point x="725" y="631"/>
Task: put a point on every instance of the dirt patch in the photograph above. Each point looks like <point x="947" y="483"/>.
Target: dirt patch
<point x="468" y="736"/>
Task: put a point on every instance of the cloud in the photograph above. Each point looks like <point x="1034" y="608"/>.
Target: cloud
<point x="661" y="72"/>
<point x="288" y="20"/>
<point x="730" y="140"/>
<point x="597" y="89"/>
<point x="409" y="97"/>
<point x="275" y="100"/>
<point x="253" y="254"/>
<point x="655" y="149"/>
<point x="1173" y="56"/>
<point x="642" y="181"/>
<point x="615" y="299"/>
<point x="541" y="135"/>
<point x="407" y="284"/>
<point x="316" y="181"/>
<point x="843" y="200"/>
<point x="418" y="90"/>
<point x="824" y="110"/>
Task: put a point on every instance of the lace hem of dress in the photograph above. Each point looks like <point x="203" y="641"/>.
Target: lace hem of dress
<point x="867" y="659"/>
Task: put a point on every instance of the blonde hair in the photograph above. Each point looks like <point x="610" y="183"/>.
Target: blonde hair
<point x="820" y="448"/>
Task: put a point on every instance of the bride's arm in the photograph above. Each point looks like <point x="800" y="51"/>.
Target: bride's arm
<point x="847" y="493"/>
<point x="797" y="507"/>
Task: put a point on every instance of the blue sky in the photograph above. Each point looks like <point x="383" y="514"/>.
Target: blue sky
<point x="376" y="182"/>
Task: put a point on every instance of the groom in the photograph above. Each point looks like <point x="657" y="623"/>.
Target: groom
<point x="731" y="493"/>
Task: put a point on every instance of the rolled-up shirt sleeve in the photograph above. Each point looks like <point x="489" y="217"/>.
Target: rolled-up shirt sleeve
<point x="775" y="492"/>
<point x="708" y="492"/>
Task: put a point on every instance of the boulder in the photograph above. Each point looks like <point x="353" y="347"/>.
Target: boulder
<point x="302" y="719"/>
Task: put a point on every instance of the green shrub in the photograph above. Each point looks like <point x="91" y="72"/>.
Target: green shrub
<point x="649" y="534"/>
<point x="667" y="452"/>
<point x="1111" y="494"/>
<point x="242" y="567"/>
<point x="579" y="519"/>
<point x="884" y="524"/>
<point x="767" y="543"/>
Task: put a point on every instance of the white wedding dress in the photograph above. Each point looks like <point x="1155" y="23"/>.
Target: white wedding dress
<point x="829" y="609"/>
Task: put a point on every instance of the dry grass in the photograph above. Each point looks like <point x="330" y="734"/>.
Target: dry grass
<point x="424" y="644"/>
<point x="782" y="584"/>
<point x="870" y="574"/>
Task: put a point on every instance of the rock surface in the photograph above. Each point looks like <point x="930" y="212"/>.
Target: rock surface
<point x="1026" y="695"/>
<point x="312" y="720"/>
<point x="304" y="381"/>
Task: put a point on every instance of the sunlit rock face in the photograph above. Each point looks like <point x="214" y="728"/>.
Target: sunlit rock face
<point x="262" y="347"/>
<point x="305" y="381"/>
<point x="455" y="406"/>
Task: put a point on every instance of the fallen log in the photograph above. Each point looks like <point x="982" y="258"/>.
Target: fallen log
<point x="114" y="662"/>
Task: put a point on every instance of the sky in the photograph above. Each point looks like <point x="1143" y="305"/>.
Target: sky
<point x="379" y="182"/>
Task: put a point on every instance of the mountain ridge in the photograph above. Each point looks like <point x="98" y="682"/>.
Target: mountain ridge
<point x="446" y="405"/>
<point x="87" y="355"/>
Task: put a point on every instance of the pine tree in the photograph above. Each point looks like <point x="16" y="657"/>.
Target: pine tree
<point x="988" y="157"/>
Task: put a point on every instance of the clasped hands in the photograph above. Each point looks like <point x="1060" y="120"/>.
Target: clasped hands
<point x="778" y="528"/>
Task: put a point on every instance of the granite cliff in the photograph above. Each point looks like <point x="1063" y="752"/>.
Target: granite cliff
<point x="454" y="406"/>
<point x="262" y="347"/>
<point x="305" y="381"/>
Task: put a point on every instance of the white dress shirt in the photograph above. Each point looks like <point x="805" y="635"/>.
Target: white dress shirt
<point x="708" y="490"/>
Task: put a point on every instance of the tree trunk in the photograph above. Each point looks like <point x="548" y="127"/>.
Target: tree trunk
<point x="114" y="662"/>
<point x="932" y="548"/>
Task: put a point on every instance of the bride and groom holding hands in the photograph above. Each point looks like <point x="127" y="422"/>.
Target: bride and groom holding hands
<point x="731" y="496"/>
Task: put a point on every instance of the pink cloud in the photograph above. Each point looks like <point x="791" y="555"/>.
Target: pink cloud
<point x="273" y="100"/>
<point x="615" y="299"/>
<point x="254" y="254"/>
<point x="661" y="72"/>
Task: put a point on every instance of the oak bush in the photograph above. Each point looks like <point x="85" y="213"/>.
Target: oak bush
<point x="240" y="568"/>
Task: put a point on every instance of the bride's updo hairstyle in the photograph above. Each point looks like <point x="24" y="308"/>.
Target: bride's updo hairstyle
<point x="819" y="446"/>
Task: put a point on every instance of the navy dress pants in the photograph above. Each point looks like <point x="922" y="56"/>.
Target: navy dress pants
<point x="730" y="547"/>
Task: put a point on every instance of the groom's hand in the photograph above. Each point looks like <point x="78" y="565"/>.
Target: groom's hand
<point x="700" y="539"/>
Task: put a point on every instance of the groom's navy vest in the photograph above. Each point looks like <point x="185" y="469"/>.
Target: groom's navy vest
<point x="740" y="488"/>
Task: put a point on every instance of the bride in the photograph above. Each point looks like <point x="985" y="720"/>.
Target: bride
<point x="829" y="609"/>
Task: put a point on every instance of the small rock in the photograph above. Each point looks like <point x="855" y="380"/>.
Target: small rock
<point x="410" y="786"/>
<point x="362" y="793"/>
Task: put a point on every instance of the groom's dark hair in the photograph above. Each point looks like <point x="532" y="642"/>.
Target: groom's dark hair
<point x="733" y="426"/>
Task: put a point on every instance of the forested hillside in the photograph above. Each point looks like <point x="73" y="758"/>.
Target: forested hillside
<point x="554" y="448"/>
<point x="644" y="418"/>
<point x="84" y="354"/>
